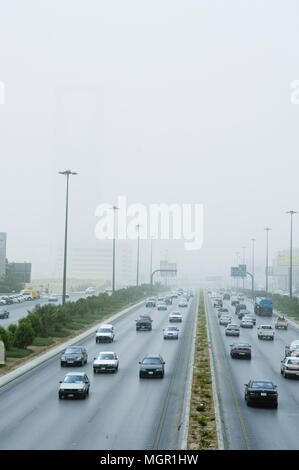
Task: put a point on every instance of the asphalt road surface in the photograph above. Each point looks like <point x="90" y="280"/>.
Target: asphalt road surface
<point x="121" y="411"/>
<point x="244" y="427"/>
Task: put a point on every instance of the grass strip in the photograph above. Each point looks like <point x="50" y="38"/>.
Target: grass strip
<point x="202" y="433"/>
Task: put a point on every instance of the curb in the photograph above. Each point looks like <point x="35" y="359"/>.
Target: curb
<point x="34" y="363"/>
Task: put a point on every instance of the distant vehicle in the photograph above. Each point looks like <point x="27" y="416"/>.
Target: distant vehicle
<point x="263" y="306"/>
<point x="53" y="299"/>
<point x="7" y="300"/>
<point x="222" y="310"/>
<point x="232" y="330"/>
<point x="3" y="301"/>
<point x="74" y="385"/>
<point x="226" y="296"/>
<point x="225" y="319"/>
<point x="152" y="366"/>
<point x="171" y="332"/>
<point x="252" y="316"/>
<point x="240" y="298"/>
<point x="168" y="300"/>
<point x="218" y="302"/>
<point x="183" y="303"/>
<point x="144" y="322"/>
<point x="293" y="348"/>
<point x="105" y="334"/>
<point x="261" y="392"/>
<point x="246" y="322"/>
<point x="240" y="350"/>
<point x="150" y="302"/>
<point x="265" y="332"/>
<point x="241" y="313"/>
<point x="74" y="356"/>
<point x="161" y="298"/>
<point x="4" y="313"/>
<point x="240" y="307"/>
<point x="33" y="292"/>
<point x="90" y="291"/>
<point x="175" y="317"/>
<point x="289" y="367"/>
<point x="107" y="361"/>
<point x="281" y="322"/>
<point x="161" y="306"/>
<point x="234" y="301"/>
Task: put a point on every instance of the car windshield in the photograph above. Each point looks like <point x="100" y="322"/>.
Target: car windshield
<point x="242" y="345"/>
<point x="71" y="379"/>
<point x="104" y="330"/>
<point x="266" y="327"/>
<point x="73" y="351"/>
<point x="260" y="384"/>
<point x="234" y="327"/>
<point x="2" y="310"/>
<point x="171" y="328"/>
<point x="151" y="360"/>
<point x="104" y="356"/>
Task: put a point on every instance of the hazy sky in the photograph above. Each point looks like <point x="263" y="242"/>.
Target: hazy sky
<point x="161" y="101"/>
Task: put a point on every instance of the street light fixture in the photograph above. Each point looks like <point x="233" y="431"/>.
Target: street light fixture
<point x="291" y="252"/>
<point x="67" y="173"/>
<point x="267" y="255"/>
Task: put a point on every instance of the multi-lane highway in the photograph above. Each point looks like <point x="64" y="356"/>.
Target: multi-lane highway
<point x="246" y="427"/>
<point x="121" y="411"/>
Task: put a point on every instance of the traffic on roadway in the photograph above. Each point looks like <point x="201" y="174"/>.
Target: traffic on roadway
<point x="125" y="391"/>
<point x="256" y="374"/>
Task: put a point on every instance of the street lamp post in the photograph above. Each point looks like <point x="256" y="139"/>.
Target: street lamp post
<point x="244" y="248"/>
<point x="138" y="239"/>
<point x="291" y="252"/>
<point x="252" y="267"/>
<point x="67" y="173"/>
<point x="113" y="262"/>
<point x="267" y="256"/>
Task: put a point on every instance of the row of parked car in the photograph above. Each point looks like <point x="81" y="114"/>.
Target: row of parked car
<point x="77" y="384"/>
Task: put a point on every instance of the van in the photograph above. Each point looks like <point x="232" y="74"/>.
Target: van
<point x="33" y="292"/>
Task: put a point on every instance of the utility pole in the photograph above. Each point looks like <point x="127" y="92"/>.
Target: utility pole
<point x="67" y="173"/>
<point x="113" y="262"/>
<point x="291" y="252"/>
<point x="267" y="256"/>
<point x="138" y="240"/>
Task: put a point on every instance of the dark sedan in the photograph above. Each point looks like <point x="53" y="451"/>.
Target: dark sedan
<point x="74" y="356"/>
<point x="240" y="350"/>
<point x="152" y="366"/>
<point x="4" y="313"/>
<point x="261" y="391"/>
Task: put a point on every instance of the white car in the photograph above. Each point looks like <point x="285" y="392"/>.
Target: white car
<point x="105" y="334"/>
<point x="107" y="361"/>
<point x="246" y="322"/>
<point x="183" y="303"/>
<point x="290" y="367"/>
<point x="171" y="332"/>
<point x="74" y="385"/>
<point x="175" y="316"/>
<point x="225" y="320"/>
<point x="265" y="332"/>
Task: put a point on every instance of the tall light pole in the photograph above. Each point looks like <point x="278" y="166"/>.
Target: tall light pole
<point x="267" y="256"/>
<point x="67" y="173"/>
<point x="113" y="261"/>
<point x="291" y="252"/>
<point x="138" y="239"/>
<point x="252" y="264"/>
<point x="151" y="259"/>
<point x="244" y="248"/>
<point x="237" y="257"/>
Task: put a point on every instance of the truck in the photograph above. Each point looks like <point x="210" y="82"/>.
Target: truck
<point x="30" y="292"/>
<point x="263" y="306"/>
<point x="281" y="322"/>
<point x="265" y="332"/>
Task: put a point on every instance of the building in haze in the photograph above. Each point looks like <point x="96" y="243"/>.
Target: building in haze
<point x="2" y="254"/>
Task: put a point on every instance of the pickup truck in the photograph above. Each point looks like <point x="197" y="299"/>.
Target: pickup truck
<point x="265" y="332"/>
<point x="281" y="322"/>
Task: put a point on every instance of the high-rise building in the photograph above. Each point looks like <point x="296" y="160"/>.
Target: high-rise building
<point x="2" y="254"/>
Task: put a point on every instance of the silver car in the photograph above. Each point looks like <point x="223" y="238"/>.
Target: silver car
<point x="232" y="330"/>
<point x="246" y="322"/>
<point x="289" y="367"/>
<point x="171" y="332"/>
<point x="175" y="316"/>
<point x="74" y="385"/>
<point x="107" y="361"/>
<point x="225" y="320"/>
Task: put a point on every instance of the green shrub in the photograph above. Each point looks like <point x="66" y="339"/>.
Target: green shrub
<point x="24" y="334"/>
